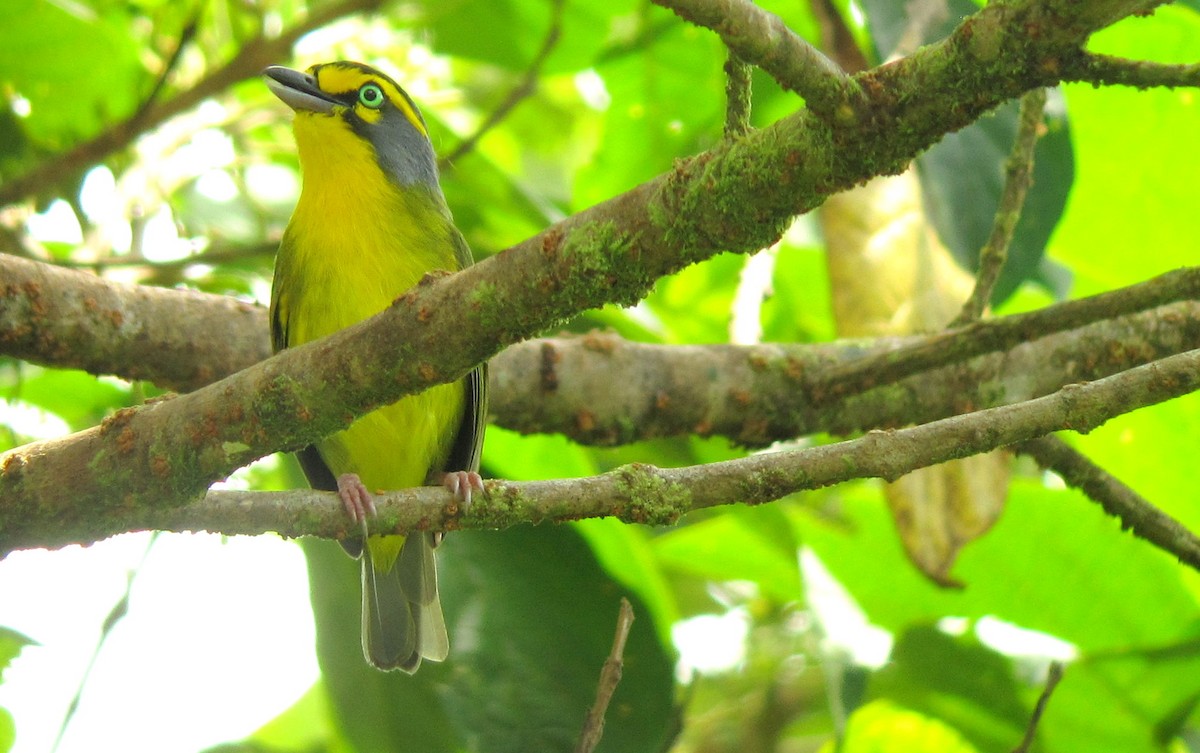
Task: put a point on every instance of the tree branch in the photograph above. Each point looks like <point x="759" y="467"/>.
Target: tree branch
<point x="1118" y="500"/>
<point x="641" y="493"/>
<point x="763" y="39"/>
<point x="1107" y="70"/>
<point x="740" y="196"/>
<point x="753" y="395"/>
<point x="178" y="339"/>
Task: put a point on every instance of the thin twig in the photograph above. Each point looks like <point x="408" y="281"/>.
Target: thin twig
<point x="737" y="95"/>
<point x="186" y="35"/>
<point x="1107" y="70"/>
<point x="1018" y="176"/>
<point x="1055" y="674"/>
<point x="1134" y="511"/>
<point x="763" y="39"/>
<point x="524" y="88"/>
<point x="610" y="677"/>
<point x="976" y="338"/>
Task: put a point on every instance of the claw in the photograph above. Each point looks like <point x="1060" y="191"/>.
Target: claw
<point x="461" y="484"/>
<point x="355" y="497"/>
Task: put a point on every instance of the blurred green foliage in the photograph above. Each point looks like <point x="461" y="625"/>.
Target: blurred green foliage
<point x="627" y="89"/>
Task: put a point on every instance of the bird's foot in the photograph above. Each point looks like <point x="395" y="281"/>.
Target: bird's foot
<point x="355" y="498"/>
<point x="461" y="484"/>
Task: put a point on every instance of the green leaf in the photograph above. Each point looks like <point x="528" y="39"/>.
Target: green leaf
<point x="1134" y="214"/>
<point x="667" y="100"/>
<point x="71" y="95"/>
<point x="626" y="552"/>
<point x="736" y="545"/>
<point x="1055" y="563"/>
<point x="515" y="30"/>
<point x="962" y="179"/>
<point x="11" y="643"/>
<point x="957" y="680"/>
<point x="531" y="619"/>
<point x="303" y="727"/>
<point x="1087" y="587"/>
<point x="77" y="397"/>
<point x="882" y="727"/>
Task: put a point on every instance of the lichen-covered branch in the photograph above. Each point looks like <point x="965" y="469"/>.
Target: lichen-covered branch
<point x="1107" y="70"/>
<point x="737" y="196"/>
<point x="763" y="39"/>
<point x="754" y="395"/>
<point x="645" y="494"/>
<point x="1118" y="500"/>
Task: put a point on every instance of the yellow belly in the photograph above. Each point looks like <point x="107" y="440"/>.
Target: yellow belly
<point x="321" y="292"/>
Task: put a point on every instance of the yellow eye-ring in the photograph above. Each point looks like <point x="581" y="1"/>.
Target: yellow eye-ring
<point x="371" y="96"/>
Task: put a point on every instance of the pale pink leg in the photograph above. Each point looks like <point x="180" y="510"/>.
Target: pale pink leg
<point x="355" y="497"/>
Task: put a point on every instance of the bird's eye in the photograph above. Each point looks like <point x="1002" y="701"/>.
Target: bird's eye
<point x="371" y="96"/>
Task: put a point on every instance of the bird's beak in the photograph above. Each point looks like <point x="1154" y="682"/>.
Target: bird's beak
<point x="298" y="90"/>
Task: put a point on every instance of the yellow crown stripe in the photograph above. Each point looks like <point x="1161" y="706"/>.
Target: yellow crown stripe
<point x="340" y="79"/>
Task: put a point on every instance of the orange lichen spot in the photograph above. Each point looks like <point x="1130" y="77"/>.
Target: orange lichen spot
<point x="662" y="400"/>
<point x="90" y="304"/>
<point x="794" y="369"/>
<point x="703" y="428"/>
<point x="599" y="342"/>
<point x="126" y="441"/>
<point x="757" y="361"/>
<point x="13" y="464"/>
<point x="427" y="372"/>
<point x="115" y="317"/>
<point x="424" y="314"/>
<point x="160" y="466"/>
<point x="740" y="396"/>
<point x="551" y="241"/>
<point x="33" y="291"/>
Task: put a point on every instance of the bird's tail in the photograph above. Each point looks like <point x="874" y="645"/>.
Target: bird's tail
<point x="402" y="619"/>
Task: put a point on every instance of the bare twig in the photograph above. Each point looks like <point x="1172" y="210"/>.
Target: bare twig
<point x="1053" y="676"/>
<point x="1018" y="176"/>
<point x="1135" y="512"/>
<point x="524" y="88"/>
<point x="763" y="39"/>
<point x="610" y="677"/>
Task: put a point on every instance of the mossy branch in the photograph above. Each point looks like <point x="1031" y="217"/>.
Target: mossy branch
<point x="739" y="196"/>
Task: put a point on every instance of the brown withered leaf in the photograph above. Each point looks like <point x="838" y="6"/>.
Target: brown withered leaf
<point x="891" y="275"/>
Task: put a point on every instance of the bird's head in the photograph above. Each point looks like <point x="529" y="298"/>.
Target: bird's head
<point x="342" y="107"/>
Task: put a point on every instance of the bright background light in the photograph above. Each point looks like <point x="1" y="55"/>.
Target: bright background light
<point x="218" y="640"/>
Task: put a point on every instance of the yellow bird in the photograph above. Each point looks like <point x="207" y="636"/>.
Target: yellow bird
<point x="370" y="222"/>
